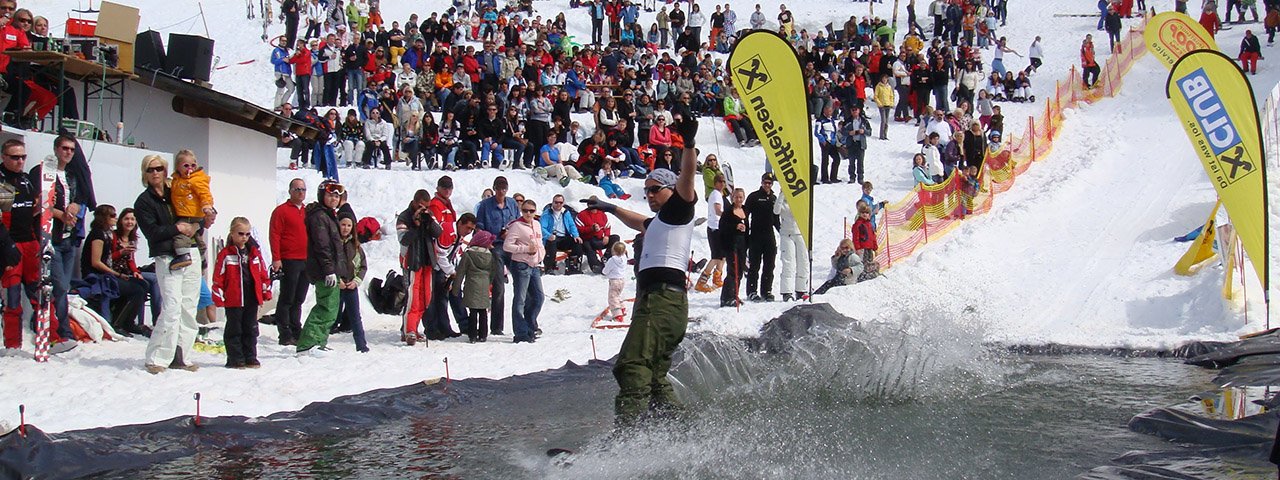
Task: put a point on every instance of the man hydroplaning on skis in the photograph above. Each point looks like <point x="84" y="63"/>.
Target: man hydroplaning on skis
<point x="661" y="312"/>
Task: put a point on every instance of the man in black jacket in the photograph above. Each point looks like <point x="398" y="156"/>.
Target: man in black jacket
<point x="762" y="246"/>
<point x="289" y="8"/>
<point x="354" y="56"/>
<point x="491" y="130"/>
<point x="22" y="221"/>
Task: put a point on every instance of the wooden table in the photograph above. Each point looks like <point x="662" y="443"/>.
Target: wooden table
<point x="100" y="82"/>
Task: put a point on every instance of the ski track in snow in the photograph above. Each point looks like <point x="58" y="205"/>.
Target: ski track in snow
<point x="1077" y="252"/>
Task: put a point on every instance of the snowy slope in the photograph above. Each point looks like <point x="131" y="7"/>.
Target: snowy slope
<point x="1078" y="252"/>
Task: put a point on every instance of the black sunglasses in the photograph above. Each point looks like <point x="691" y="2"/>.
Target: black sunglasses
<point x="654" y="189"/>
<point x="153" y="169"/>
<point x="529" y="210"/>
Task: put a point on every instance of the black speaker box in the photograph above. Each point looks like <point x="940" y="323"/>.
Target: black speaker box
<point x="189" y="57"/>
<point x="148" y="51"/>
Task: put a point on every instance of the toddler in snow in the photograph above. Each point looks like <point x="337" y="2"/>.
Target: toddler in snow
<point x="478" y="270"/>
<point x="616" y="270"/>
<point x="240" y="284"/>
<point x="864" y="240"/>
<point x="606" y="181"/>
<point x="192" y="203"/>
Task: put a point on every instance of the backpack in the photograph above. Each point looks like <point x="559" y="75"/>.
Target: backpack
<point x="387" y="296"/>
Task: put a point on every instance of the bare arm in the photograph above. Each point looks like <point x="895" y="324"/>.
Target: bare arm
<point x="632" y="220"/>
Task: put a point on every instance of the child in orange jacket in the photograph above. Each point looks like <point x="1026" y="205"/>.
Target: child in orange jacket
<point x="192" y="203"/>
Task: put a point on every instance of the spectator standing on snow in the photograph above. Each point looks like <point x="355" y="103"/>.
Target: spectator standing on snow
<point x="1088" y="63"/>
<point x="288" y="234"/>
<point x="283" y="71"/>
<point x="864" y="240"/>
<point x="478" y="270"/>
<point x="524" y="244"/>
<point x="23" y="223"/>
<point x="1272" y="23"/>
<point x="240" y="284"/>
<point x="715" y="210"/>
<point x="795" y="256"/>
<point x="175" y="331"/>
<point x="326" y="263"/>
<point x="417" y="231"/>
<point x="290" y="10"/>
<point x="1209" y="18"/>
<point x="493" y="214"/>
<point x="349" y="286"/>
<point x="733" y="243"/>
<point x="763" y="246"/>
<point x="616" y="271"/>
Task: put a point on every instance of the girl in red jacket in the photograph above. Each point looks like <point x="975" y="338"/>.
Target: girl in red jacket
<point x="240" y="285"/>
<point x="864" y="241"/>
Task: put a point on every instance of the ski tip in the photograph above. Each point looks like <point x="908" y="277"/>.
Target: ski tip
<point x="556" y="452"/>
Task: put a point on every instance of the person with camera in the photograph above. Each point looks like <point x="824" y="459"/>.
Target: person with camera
<point x="417" y="230"/>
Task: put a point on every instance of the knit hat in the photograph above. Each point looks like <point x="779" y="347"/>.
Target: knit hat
<point x="663" y="177"/>
<point x="482" y="239"/>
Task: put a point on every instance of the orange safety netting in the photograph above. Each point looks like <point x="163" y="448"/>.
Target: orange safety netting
<point x="931" y="211"/>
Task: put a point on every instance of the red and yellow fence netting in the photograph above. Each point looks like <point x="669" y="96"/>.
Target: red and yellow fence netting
<point x="931" y="211"/>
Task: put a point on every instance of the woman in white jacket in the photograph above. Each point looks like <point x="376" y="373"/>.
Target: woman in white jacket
<point x="794" y="281"/>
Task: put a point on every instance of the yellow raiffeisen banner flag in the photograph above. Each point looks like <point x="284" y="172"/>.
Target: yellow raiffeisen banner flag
<point x="1216" y="106"/>
<point x="767" y="76"/>
<point x="1170" y="35"/>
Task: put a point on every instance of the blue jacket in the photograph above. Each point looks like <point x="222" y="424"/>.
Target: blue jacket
<point x="597" y="10"/>
<point x="629" y="14"/>
<point x="567" y="215"/>
<point x="492" y="219"/>
<point x="573" y="84"/>
<point x="280" y="59"/>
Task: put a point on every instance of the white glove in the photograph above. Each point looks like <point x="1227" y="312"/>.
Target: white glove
<point x="331" y="280"/>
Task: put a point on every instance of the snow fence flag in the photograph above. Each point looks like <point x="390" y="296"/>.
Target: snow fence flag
<point x="767" y="75"/>
<point x="1170" y="35"/>
<point x="1215" y="103"/>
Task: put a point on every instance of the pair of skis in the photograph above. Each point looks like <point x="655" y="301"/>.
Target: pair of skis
<point x="44" y="302"/>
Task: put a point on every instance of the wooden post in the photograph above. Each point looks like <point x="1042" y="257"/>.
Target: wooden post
<point x="1031" y="131"/>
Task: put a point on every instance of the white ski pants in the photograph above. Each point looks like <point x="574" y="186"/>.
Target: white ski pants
<point x="795" y="264"/>
<point x="177" y="325"/>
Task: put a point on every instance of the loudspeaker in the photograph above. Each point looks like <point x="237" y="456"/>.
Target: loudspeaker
<point x="189" y="57"/>
<point x="149" y="51"/>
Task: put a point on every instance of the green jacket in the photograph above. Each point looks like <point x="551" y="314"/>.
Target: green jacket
<point x="477" y="271"/>
<point x="709" y="179"/>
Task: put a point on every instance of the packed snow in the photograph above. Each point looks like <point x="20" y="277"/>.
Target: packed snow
<point x="1078" y="252"/>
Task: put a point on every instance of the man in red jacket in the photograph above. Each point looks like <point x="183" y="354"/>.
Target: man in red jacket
<point x="594" y="229"/>
<point x="442" y="211"/>
<point x="288" y="234"/>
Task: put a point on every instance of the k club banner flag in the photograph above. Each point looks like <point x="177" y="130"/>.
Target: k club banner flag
<point x="1170" y="35"/>
<point x="767" y="76"/>
<point x="1215" y="103"/>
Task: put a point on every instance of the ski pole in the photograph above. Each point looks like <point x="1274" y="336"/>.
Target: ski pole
<point x="593" y="348"/>
<point x="22" y="420"/>
<point x="196" y="420"/>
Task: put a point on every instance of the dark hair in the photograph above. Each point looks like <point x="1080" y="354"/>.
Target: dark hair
<point x="467" y="218"/>
<point x="500" y="182"/>
<point x="64" y="138"/>
<point x="13" y="142"/>
<point x="100" y="216"/>
<point x="133" y="234"/>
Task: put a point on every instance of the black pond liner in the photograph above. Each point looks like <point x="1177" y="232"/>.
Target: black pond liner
<point x="96" y="451"/>
<point x="1210" y="443"/>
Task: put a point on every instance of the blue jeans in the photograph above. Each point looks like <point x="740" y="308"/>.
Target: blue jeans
<point x="488" y="145"/>
<point x="526" y="302"/>
<point x="349" y="314"/>
<point x="64" y="264"/>
<point x="355" y="84"/>
<point x="156" y="299"/>
<point x="997" y="66"/>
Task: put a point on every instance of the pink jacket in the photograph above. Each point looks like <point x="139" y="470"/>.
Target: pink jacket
<point x="520" y="235"/>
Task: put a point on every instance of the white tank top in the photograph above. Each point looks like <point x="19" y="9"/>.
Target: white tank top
<point x="665" y="254"/>
<point x="713" y="218"/>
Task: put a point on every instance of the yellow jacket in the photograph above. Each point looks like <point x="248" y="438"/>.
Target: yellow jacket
<point x="884" y="95"/>
<point x="191" y="194"/>
<point x="914" y="43"/>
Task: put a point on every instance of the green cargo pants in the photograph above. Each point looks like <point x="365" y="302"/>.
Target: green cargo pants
<point x="315" y="332"/>
<point x="658" y="323"/>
